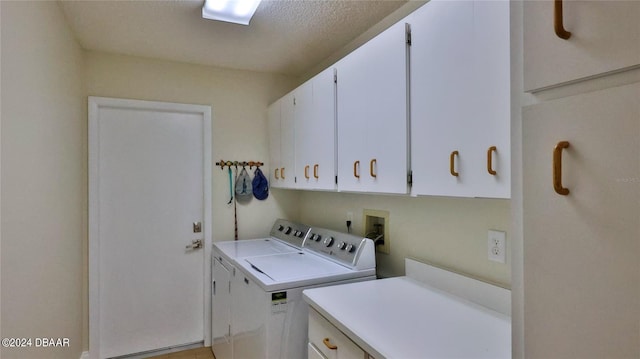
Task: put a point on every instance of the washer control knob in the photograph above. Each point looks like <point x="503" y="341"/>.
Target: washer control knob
<point x="318" y="237"/>
<point x="281" y="228"/>
<point x="287" y="230"/>
<point x="328" y="241"/>
<point x="342" y="245"/>
<point x="351" y="248"/>
<point x="301" y="234"/>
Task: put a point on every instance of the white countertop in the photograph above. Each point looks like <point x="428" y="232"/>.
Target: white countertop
<point x="403" y="318"/>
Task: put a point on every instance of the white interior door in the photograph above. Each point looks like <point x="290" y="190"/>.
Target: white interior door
<point x="149" y="181"/>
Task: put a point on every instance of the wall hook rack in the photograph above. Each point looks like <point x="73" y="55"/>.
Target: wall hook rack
<point x="251" y="164"/>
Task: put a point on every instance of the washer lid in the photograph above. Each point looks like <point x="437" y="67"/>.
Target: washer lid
<point x="289" y="267"/>
<point x="253" y="247"/>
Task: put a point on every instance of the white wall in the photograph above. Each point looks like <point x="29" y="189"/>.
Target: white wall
<point x="448" y="232"/>
<point x="239" y="101"/>
<point x="43" y="179"/>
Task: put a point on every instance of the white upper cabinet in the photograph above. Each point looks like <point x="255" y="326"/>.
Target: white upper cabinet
<point x="605" y="37"/>
<point x="287" y="142"/>
<point x="372" y="115"/>
<point x="460" y="99"/>
<point x="273" y="118"/>
<point x="282" y="142"/>
<point x="491" y="100"/>
<point x="315" y="132"/>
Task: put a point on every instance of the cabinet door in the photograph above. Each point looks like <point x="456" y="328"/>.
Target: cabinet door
<point x="328" y="341"/>
<point x="221" y="310"/>
<point x="273" y="118"/>
<point x="304" y="119"/>
<point x="581" y="268"/>
<point x="604" y="38"/>
<point x="490" y="122"/>
<point x="250" y="311"/>
<point x="287" y="142"/>
<point x="316" y="133"/>
<point x="441" y="97"/>
<point x="372" y="115"/>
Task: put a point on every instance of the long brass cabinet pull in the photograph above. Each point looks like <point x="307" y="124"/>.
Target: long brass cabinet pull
<point x="557" y="168"/>
<point x="306" y="171"/>
<point x="558" y="24"/>
<point x="356" y="166"/>
<point x="315" y="171"/>
<point x="327" y="343"/>
<point x="452" y="163"/>
<point x="282" y="172"/>
<point x="372" y="164"/>
<point x="490" y="152"/>
<point x="276" y="174"/>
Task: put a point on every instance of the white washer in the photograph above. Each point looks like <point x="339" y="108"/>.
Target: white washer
<point x="263" y="305"/>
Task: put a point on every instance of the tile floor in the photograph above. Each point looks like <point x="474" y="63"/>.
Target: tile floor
<point x="198" y="353"/>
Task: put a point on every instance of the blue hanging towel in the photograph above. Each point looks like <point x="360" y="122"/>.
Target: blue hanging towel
<point x="260" y="185"/>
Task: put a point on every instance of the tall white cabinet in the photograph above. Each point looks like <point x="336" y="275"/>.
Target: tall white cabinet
<point x="372" y="115"/>
<point x="460" y="99"/>
<point x="581" y="175"/>
<point x="605" y="37"/>
<point x="581" y="250"/>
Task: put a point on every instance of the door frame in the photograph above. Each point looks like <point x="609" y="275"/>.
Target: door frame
<point x="95" y="104"/>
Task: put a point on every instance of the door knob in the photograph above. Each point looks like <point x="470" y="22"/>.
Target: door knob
<point x="195" y="244"/>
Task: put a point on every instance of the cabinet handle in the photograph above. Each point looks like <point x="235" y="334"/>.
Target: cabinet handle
<point x="558" y="25"/>
<point x="490" y="152"/>
<point x="276" y="174"/>
<point x="315" y="171"/>
<point x="557" y="168"/>
<point x="452" y="163"/>
<point x="282" y="173"/>
<point x="356" y="167"/>
<point x="306" y="171"/>
<point x="327" y="343"/>
<point x="372" y="163"/>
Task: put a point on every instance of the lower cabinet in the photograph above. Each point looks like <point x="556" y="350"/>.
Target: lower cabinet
<point x="327" y="342"/>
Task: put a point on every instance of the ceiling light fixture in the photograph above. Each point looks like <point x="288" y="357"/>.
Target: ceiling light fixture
<point x="235" y="11"/>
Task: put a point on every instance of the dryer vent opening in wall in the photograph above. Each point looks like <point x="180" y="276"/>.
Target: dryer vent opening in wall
<point x="376" y="227"/>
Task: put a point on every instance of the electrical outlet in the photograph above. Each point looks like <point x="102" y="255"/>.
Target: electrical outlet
<point x="497" y="246"/>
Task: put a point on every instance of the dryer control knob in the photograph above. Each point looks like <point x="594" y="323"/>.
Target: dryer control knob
<point x="351" y="248"/>
<point x="318" y="238"/>
<point x="342" y="245"/>
<point x="328" y="241"/>
<point x="281" y="228"/>
<point x="288" y="230"/>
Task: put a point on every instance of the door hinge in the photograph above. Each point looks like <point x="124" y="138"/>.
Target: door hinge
<point x="410" y="178"/>
<point x="294" y="101"/>
<point x="335" y="78"/>
<point x="336" y="179"/>
<point x="214" y="287"/>
<point x="408" y="34"/>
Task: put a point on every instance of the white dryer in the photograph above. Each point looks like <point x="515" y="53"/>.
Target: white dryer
<point x="262" y="306"/>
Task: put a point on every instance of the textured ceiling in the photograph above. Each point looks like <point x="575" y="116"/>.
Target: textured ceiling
<point x="285" y="36"/>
